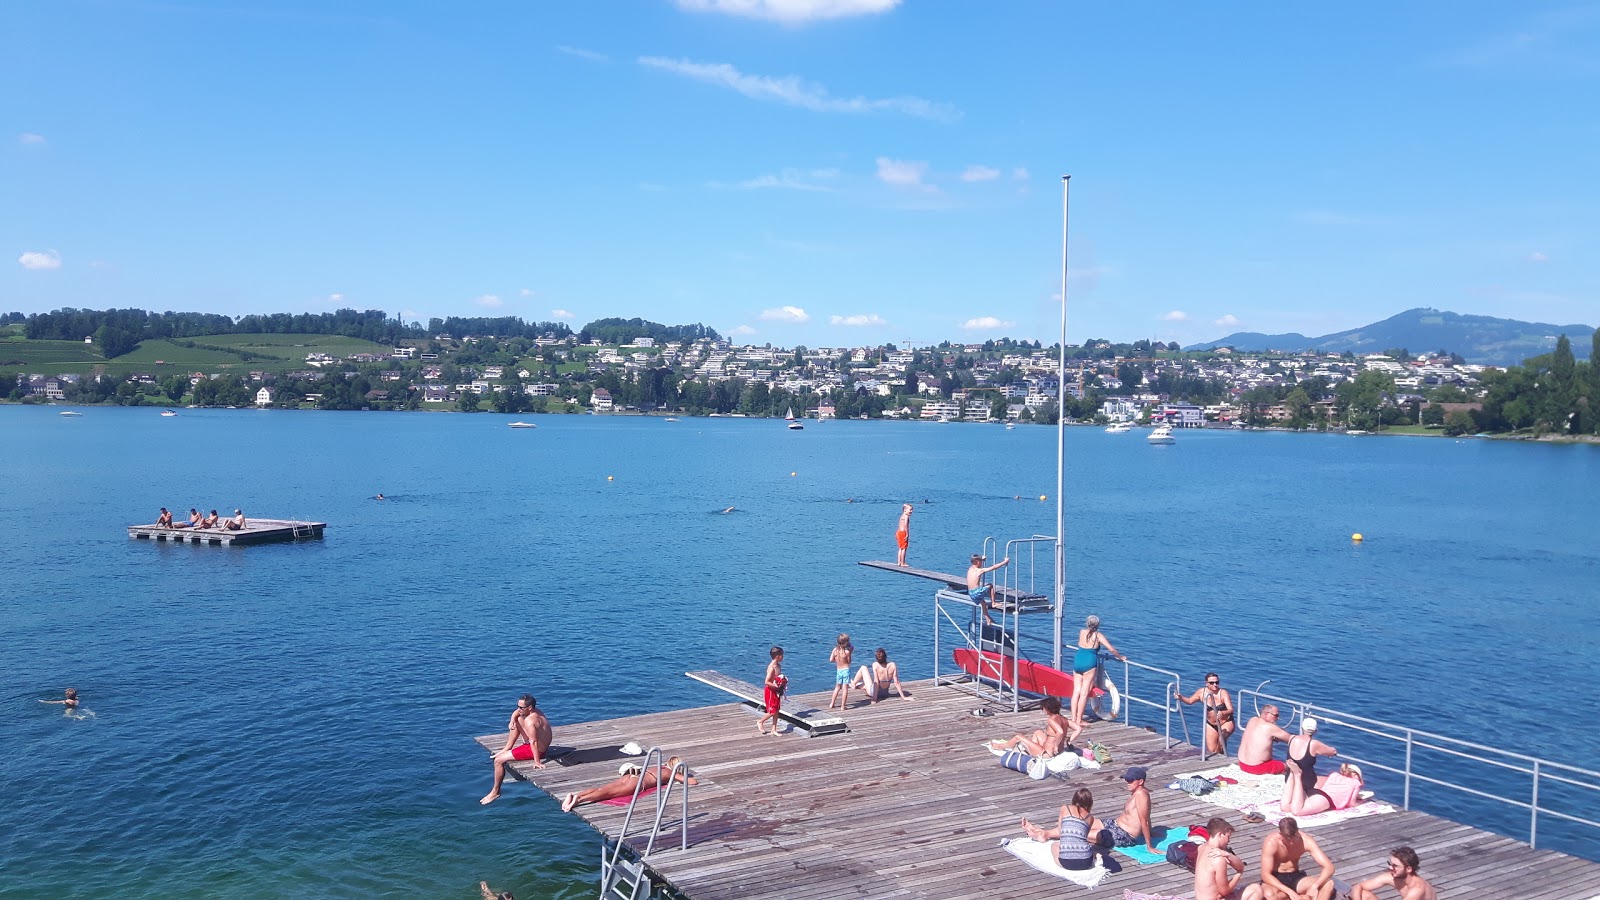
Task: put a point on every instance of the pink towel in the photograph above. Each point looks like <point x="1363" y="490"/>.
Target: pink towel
<point x="624" y="801"/>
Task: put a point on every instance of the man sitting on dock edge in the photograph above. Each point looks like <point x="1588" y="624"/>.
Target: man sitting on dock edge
<point x="527" y="738"/>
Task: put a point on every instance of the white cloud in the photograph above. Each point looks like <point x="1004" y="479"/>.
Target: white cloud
<point x="903" y="173"/>
<point x="99" y="264"/>
<point x="410" y="315"/>
<point x="1019" y="173"/>
<point x="1176" y="315"/>
<point x="40" y="259"/>
<point x="789" y="179"/>
<point x="980" y="173"/>
<point x="793" y="91"/>
<point x="790" y="12"/>
<point x="652" y="187"/>
<point x="985" y="323"/>
<point x="1536" y="256"/>
<point x="790" y="314"/>
<point x="581" y="53"/>
<point x="1228" y="321"/>
<point x="28" y="137"/>
<point x="526" y="292"/>
<point x="561" y="314"/>
<point x="1326" y="217"/>
<point x="868" y="319"/>
<point x="489" y="301"/>
<point x="742" y="330"/>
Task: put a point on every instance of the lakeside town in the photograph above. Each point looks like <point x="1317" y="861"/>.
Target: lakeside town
<point x="994" y="381"/>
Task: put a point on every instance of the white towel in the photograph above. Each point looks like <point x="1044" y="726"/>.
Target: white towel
<point x="1037" y="854"/>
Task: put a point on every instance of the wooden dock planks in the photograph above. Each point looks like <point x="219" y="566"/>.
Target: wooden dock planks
<point x="909" y="804"/>
<point x="256" y="531"/>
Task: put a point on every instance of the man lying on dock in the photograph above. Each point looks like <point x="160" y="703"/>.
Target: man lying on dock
<point x="527" y="738"/>
<point x="625" y="784"/>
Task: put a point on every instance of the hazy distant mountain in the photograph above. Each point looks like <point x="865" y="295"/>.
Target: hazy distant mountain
<point x="1479" y="339"/>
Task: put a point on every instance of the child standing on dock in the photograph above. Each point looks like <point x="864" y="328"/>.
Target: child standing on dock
<point x="775" y="684"/>
<point x="840" y="657"/>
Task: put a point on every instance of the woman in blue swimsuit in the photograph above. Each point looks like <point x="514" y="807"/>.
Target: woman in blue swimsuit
<point x="1090" y="640"/>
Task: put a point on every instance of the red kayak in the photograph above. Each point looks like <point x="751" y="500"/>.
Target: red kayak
<point x="1032" y="677"/>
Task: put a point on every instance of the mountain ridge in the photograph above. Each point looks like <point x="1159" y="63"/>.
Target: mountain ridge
<point x="1484" y="340"/>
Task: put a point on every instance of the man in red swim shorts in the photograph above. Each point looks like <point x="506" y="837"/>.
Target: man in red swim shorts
<point x="902" y="534"/>
<point x="1255" y="750"/>
<point x="527" y="738"/>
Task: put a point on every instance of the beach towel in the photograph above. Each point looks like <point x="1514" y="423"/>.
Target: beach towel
<point x="1247" y="791"/>
<point x="1138" y="895"/>
<point x="624" y="801"/>
<point x="1037" y="854"/>
<point x="1145" y="858"/>
<point x="1361" y="810"/>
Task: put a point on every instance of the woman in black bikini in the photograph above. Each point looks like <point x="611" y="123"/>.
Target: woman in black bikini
<point x="1219" y="713"/>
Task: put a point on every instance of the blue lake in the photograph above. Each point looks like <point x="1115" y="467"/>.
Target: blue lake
<point x="292" y="720"/>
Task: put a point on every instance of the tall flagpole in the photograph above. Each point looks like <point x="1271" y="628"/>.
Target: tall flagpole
<point x="1061" y="433"/>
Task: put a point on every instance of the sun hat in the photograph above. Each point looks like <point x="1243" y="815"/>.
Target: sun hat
<point x="1308" y="726"/>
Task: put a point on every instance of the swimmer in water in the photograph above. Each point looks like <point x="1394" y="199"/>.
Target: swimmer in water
<point x="728" y="510"/>
<point x="379" y="497"/>
<point x="71" y="703"/>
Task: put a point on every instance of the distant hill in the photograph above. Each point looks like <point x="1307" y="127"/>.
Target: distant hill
<point x="1485" y="340"/>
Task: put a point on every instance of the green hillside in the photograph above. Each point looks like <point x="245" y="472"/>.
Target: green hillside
<point x="226" y="353"/>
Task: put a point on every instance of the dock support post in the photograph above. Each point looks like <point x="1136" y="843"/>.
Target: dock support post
<point x="1409" y="739"/>
<point x="1533" y="823"/>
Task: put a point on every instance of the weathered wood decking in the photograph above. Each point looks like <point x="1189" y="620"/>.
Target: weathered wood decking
<point x="256" y="531"/>
<point x="908" y="804"/>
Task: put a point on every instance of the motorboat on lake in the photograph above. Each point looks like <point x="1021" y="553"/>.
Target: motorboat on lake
<point x="168" y="414"/>
<point x="522" y="425"/>
<point x="71" y="413"/>
<point x="1119" y="428"/>
<point x="1161" y="435"/>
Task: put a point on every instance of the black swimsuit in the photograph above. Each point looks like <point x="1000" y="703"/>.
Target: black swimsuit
<point x="1306" y="765"/>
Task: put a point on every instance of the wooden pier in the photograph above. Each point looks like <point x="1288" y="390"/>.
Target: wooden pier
<point x="908" y="803"/>
<point x="256" y="531"/>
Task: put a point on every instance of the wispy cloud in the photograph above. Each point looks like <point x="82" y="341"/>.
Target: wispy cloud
<point x="985" y="323"/>
<point x="561" y="314"/>
<point x="791" y="314"/>
<point x="794" y="91"/>
<point x="1019" y="174"/>
<point x="790" y="12"/>
<point x="31" y="139"/>
<point x="335" y="298"/>
<point x="788" y="179"/>
<point x="868" y="319"/>
<point x="980" y="173"/>
<point x="650" y="187"/>
<point x="37" y="260"/>
<point x="1326" y="217"/>
<point x="581" y="53"/>
<point x="741" y="330"/>
<point x="1538" y="257"/>
<point x="489" y="301"/>
<point x="1560" y="39"/>
<point x="410" y="315"/>
<point x="1228" y="321"/>
<point x="1176" y="315"/>
<point x="526" y="292"/>
<point x="903" y="173"/>
<point x="99" y="264"/>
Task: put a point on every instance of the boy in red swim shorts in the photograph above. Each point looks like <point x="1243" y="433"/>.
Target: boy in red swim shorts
<point x="776" y="683"/>
<point x="902" y="534"/>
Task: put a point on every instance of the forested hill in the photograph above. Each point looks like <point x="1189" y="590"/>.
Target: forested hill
<point x="1485" y="340"/>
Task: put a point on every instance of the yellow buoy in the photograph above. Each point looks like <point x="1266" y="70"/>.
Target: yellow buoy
<point x="1356" y="537"/>
<point x="611" y="478"/>
<point x="1041" y="496"/>
<point x="791" y="474"/>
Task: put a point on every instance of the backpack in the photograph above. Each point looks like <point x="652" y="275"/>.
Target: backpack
<point x="1183" y="853"/>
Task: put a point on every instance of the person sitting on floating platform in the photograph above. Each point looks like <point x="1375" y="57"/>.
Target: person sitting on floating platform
<point x="875" y="680"/>
<point x="195" y="518"/>
<point x="209" y="521"/>
<point x="165" y="519"/>
<point x="1046" y="741"/>
<point x="632" y="778"/>
<point x="236" y="523"/>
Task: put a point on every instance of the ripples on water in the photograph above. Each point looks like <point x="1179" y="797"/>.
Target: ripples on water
<point x="297" y="719"/>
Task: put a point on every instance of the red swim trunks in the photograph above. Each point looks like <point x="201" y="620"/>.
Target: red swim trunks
<point x="522" y="751"/>
<point x="903" y="539"/>
<point x="772" y="698"/>
<point x="1270" y="767"/>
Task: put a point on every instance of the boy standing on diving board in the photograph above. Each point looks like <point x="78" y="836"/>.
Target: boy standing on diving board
<point x="775" y="685"/>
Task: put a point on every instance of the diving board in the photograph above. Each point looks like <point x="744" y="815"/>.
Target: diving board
<point x="813" y="722"/>
<point x="1005" y="598"/>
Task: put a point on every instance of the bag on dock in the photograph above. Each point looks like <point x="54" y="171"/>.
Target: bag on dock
<point x="1183" y="853"/>
<point x="1016" y="760"/>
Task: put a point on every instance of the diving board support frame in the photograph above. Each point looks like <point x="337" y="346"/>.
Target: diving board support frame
<point x="813" y="722"/>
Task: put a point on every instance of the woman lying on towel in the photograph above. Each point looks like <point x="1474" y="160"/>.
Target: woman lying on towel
<point x="1046" y="741"/>
<point x="625" y="784"/>
<point x="1304" y="794"/>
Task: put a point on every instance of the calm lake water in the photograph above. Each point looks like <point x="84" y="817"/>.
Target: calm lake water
<point x="293" y="720"/>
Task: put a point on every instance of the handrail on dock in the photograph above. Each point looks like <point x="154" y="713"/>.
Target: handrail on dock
<point x="612" y="869"/>
<point x="1539" y="771"/>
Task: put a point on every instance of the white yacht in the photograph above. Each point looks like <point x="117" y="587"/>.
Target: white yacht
<point x="1161" y="435"/>
<point x="522" y="425"/>
<point x="1119" y="428"/>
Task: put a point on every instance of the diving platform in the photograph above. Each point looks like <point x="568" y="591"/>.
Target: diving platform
<point x="908" y="804"/>
<point x="811" y="720"/>
<point x="255" y="531"/>
<point x="1006" y="598"/>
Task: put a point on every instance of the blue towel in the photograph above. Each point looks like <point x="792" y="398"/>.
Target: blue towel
<point x="1144" y="857"/>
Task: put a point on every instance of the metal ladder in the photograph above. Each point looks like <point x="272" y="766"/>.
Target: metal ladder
<point x="622" y="878"/>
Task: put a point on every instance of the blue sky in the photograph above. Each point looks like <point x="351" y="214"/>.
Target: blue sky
<point x="819" y="172"/>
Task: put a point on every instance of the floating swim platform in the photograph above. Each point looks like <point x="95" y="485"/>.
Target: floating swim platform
<point x="256" y="531"/>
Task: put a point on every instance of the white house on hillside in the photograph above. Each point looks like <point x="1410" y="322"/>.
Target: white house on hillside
<point x="264" y="397"/>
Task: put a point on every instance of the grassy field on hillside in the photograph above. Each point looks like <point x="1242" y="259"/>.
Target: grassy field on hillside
<point x="273" y="353"/>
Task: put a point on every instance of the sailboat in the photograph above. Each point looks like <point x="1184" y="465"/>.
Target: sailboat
<point x="793" y="425"/>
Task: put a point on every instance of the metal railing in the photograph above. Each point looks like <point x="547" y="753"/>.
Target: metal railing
<point x="1168" y="706"/>
<point x="619" y="877"/>
<point x="1410" y="742"/>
